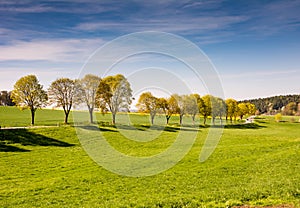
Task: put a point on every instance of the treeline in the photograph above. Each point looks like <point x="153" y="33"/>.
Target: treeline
<point x="114" y="94"/>
<point x="285" y="104"/>
<point x="5" y="98"/>
<point x="193" y="104"/>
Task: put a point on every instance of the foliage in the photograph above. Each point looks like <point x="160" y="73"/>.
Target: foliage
<point x="218" y="108"/>
<point x="173" y="107"/>
<point x="205" y="107"/>
<point x="114" y="94"/>
<point x="89" y="85"/>
<point x="278" y="117"/>
<point x="191" y="105"/>
<point x="290" y="109"/>
<point x="276" y="102"/>
<point x="147" y="103"/>
<point x="165" y="107"/>
<point x="64" y="93"/>
<point x="5" y="98"/>
<point x="231" y="108"/>
<point x="181" y="102"/>
<point x="29" y="93"/>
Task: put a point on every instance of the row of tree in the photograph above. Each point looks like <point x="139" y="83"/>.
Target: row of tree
<point x="114" y="94"/>
<point x="111" y="93"/>
<point x="193" y="105"/>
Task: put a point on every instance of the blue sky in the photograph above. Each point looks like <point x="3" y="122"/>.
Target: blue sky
<point x="254" y="45"/>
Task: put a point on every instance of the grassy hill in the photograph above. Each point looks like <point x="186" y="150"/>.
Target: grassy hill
<point x="254" y="164"/>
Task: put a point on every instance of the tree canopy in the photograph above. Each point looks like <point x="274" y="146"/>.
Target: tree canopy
<point x="89" y="85"/>
<point x="114" y="94"/>
<point x="29" y="93"/>
<point x="64" y="93"/>
<point x="147" y="103"/>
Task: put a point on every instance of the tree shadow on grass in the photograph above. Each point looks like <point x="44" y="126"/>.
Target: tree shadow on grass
<point x="8" y="137"/>
<point x="8" y="148"/>
<point x="95" y="128"/>
<point x="244" y="126"/>
<point x="145" y="127"/>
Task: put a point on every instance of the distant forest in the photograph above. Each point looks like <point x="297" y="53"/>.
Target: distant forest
<point x="271" y="105"/>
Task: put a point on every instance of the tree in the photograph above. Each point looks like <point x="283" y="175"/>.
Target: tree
<point x="205" y="107"/>
<point x="251" y="108"/>
<point x="231" y="108"/>
<point x="164" y="106"/>
<point x="5" y="98"/>
<point x="172" y="107"/>
<point x="278" y="117"/>
<point x="242" y="110"/>
<point x="191" y="105"/>
<point x="220" y="108"/>
<point x="64" y="92"/>
<point x="89" y="85"/>
<point x="290" y="109"/>
<point x="29" y="93"/>
<point x="181" y="106"/>
<point x="147" y="103"/>
<point x="114" y="93"/>
<point x="214" y="108"/>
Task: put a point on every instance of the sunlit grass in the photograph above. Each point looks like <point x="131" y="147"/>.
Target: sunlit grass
<point x="47" y="167"/>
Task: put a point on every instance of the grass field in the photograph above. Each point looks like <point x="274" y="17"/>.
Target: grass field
<point x="254" y="164"/>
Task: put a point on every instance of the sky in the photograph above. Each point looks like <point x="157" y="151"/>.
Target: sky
<point x="254" y="46"/>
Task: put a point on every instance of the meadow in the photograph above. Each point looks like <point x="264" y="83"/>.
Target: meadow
<point x="255" y="164"/>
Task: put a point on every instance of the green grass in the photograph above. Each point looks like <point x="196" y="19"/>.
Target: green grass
<point x="255" y="164"/>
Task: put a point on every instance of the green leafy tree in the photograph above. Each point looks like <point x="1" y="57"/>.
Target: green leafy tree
<point x="220" y="109"/>
<point x="242" y="110"/>
<point x="290" y="109"/>
<point x="231" y="108"/>
<point x="114" y="93"/>
<point x="29" y="93"/>
<point x="173" y="107"/>
<point x="191" y="105"/>
<point x="181" y="105"/>
<point x="278" y="117"/>
<point x="164" y="106"/>
<point x="89" y="85"/>
<point x="205" y="107"/>
<point x="65" y="93"/>
<point x="147" y="103"/>
<point x="5" y="98"/>
<point x="251" y="108"/>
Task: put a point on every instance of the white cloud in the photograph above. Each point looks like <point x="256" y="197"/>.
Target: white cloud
<point x="178" y="24"/>
<point x="62" y="50"/>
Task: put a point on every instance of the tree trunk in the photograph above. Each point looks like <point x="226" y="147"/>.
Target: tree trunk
<point x="113" y="118"/>
<point x="32" y="116"/>
<point x="91" y="115"/>
<point x="66" y="117"/>
<point x="213" y="118"/>
<point x="193" y="118"/>
<point x="67" y="111"/>
<point x="168" y="118"/>
<point x="180" y="119"/>
<point x="152" y="119"/>
<point x="204" y="121"/>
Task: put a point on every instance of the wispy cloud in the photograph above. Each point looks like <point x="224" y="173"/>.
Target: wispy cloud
<point x="177" y="25"/>
<point x="62" y="50"/>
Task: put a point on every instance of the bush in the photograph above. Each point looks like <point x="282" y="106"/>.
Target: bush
<point x="278" y="117"/>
